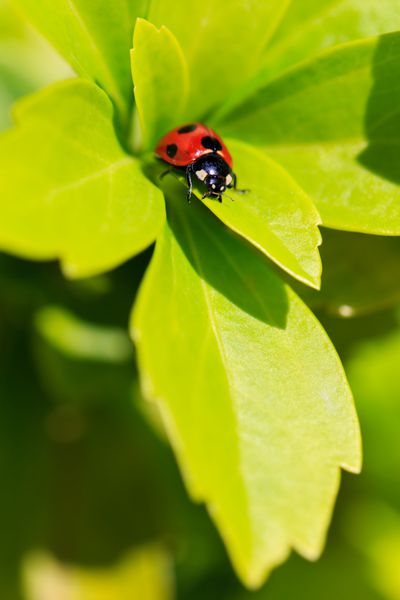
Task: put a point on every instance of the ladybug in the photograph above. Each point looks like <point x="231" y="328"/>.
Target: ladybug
<point x="201" y="153"/>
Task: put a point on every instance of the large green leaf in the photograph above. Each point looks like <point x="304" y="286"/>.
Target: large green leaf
<point x="68" y="189"/>
<point x="160" y="74"/>
<point x="275" y="215"/>
<point x="334" y="123"/>
<point x="312" y="25"/>
<point x="361" y="274"/>
<point x="94" y="37"/>
<point x="222" y="41"/>
<point x="253" y="394"/>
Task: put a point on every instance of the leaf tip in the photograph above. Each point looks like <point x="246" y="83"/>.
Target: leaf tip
<point x="355" y="463"/>
<point x="141" y="22"/>
<point x="314" y="282"/>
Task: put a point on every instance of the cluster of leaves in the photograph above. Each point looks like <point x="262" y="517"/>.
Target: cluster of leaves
<point x="252" y="393"/>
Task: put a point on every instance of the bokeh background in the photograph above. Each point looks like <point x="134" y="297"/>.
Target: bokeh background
<point x="92" y="506"/>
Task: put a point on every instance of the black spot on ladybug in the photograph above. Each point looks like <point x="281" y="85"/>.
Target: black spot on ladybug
<point x="172" y="149"/>
<point x="211" y="143"/>
<point x="188" y="128"/>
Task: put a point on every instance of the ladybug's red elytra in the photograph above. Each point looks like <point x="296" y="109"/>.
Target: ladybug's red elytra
<point x="201" y="153"/>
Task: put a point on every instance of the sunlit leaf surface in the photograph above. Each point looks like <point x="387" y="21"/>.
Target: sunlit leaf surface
<point x="275" y="214"/>
<point x="76" y="194"/>
<point x="334" y="123"/>
<point x="94" y="37"/>
<point x="223" y="43"/>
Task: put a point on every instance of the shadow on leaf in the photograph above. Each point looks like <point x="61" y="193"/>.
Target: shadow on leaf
<point x="382" y="119"/>
<point x="227" y="263"/>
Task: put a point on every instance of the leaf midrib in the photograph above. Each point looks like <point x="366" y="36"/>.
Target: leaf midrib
<point x="299" y="374"/>
<point x="297" y="271"/>
<point x="308" y="64"/>
<point x="312" y="85"/>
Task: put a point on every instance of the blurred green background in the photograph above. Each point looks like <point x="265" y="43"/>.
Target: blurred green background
<point x="92" y="506"/>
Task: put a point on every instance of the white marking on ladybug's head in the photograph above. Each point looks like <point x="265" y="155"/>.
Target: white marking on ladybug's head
<point x="213" y="186"/>
<point x="202" y="174"/>
<point x="229" y="179"/>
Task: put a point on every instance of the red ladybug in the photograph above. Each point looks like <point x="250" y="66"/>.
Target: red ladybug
<point x="200" y="152"/>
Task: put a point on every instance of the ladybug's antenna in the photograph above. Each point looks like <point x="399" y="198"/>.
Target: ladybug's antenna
<point x="218" y="197"/>
<point x="230" y="197"/>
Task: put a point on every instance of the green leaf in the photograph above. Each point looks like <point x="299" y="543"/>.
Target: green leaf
<point x="81" y="363"/>
<point x="160" y="74"/>
<point x="81" y="340"/>
<point x="68" y="188"/>
<point x="144" y="574"/>
<point x="310" y="26"/>
<point x="275" y="215"/>
<point x="252" y="392"/>
<point x="223" y="42"/>
<point x="361" y="274"/>
<point x="334" y="123"/>
<point x="94" y="37"/>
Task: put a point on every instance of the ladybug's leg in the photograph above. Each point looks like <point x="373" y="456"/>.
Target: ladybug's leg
<point x="167" y="172"/>
<point x="211" y="195"/>
<point x="234" y="178"/>
<point x="189" y="176"/>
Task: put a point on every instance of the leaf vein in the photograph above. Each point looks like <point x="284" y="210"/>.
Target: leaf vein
<point x="83" y="180"/>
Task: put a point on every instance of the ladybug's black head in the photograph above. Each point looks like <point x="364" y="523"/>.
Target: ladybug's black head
<point x="214" y="172"/>
<point x="215" y="184"/>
